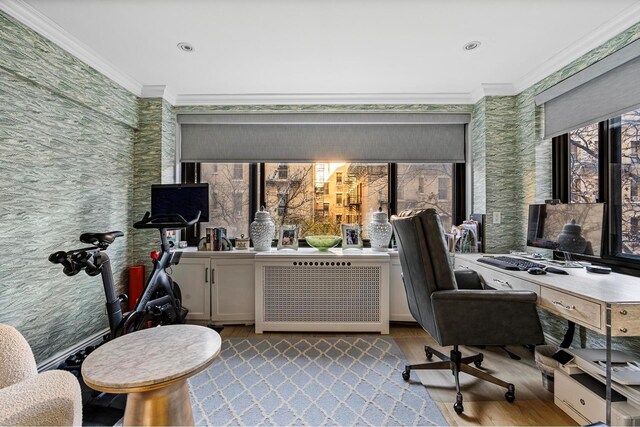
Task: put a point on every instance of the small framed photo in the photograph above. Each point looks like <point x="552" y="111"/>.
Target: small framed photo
<point x="288" y="237"/>
<point x="351" y="236"/>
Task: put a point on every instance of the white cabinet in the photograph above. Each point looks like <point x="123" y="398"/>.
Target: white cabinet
<point x="398" y="306"/>
<point x="193" y="277"/>
<point x="233" y="290"/>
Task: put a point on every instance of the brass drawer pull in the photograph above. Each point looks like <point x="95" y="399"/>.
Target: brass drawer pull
<point x="562" y="305"/>
<point x="623" y="330"/>
<point x="623" y="312"/>
<point x="503" y="282"/>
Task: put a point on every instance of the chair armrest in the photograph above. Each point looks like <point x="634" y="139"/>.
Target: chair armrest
<point x="483" y="317"/>
<point x="485" y="295"/>
<point x="47" y="399"/>
<point x="469" y="279"/>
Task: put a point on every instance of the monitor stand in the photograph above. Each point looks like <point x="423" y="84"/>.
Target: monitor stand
<point x="569" y="262"/>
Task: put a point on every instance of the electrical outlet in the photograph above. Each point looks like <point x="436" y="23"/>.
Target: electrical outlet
<point x="497" y="217"/>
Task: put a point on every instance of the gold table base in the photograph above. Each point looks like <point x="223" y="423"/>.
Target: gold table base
<point x="166" y="406"/>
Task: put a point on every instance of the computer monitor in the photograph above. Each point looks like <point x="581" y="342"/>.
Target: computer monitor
<point x="575" y="228"/>
<point x="182" y="199"/>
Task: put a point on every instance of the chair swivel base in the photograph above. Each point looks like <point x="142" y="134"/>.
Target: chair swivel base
<point x="458" y="364"/>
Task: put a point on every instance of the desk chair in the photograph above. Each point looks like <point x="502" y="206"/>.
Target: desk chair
<point x="28" y="398"/>
<point x="454" y="308"/>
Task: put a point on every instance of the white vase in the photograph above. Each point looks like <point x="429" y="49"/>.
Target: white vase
<point x="262" y="231"/>
<point x="379" y="231"/>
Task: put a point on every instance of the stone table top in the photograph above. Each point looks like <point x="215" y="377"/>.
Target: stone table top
<point x="151" y="358"/>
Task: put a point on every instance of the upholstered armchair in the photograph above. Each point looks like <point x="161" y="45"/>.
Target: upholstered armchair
<point x="453" y="307"/>
<point x="31" y="399"/>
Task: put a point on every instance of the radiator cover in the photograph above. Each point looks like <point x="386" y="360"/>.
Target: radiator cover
<point x="308" y="294"/>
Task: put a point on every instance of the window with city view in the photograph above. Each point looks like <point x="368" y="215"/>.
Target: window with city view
<point x="229" y="188"/>
<point x="620" y="138"/>
<point x="629" y="177"/>
<point x="319" y="197"/>
<point x="583" y="164"/>
<point x="426" y="185"/>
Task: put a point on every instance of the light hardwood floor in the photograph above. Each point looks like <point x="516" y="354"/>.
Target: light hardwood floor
<point x="484" y="403"/>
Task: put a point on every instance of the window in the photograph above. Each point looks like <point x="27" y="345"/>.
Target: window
<point x="603" y="166"/>
<point x="311" y="201"/>
<point x="443" y="188"/>
<point x="228" y="197"/>
<point x="237" y="203"/>
<point x="310" y="196"/>
<point x="283" y="171"/>
<point x="583" y="164"/>
<point x="435" y="179"/>
<point x="238" y="171"/>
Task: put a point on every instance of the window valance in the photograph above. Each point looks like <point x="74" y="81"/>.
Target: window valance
<point x="601" y="91"/>
<point x="385" y="137"/>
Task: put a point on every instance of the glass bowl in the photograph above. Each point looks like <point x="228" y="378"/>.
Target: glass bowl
<point x="324" y="242"/>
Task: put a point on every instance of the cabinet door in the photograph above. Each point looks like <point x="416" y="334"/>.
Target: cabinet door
<point x="398" y="306"/>
<point x="194" y="276"/>
<point x="233" y="291"/>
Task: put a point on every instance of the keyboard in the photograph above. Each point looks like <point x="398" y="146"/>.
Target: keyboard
<point x="517" y="264"/>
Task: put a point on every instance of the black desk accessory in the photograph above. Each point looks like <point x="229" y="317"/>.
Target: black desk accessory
<point x="598" y="269"/>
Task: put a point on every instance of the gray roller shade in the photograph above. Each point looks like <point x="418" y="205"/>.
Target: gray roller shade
<point x="604" y="90"/>
<point x="384" y="137"/>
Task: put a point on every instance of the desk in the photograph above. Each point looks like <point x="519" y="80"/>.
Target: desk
<point x="153" y="366"/>
<point x="606" y="303"/>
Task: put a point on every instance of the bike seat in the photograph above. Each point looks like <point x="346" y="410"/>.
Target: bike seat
<point x="100" y="238"/>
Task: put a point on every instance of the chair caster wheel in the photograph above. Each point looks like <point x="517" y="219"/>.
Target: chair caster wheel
<point x="406" y="374"/>
<point x="458" y="405"/>
<point x="510" y="395"/>
<point x="428" y="353"/>
<point x="478" y="361"/>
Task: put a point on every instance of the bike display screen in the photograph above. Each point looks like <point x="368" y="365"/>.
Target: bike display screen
<point x="181" y="199"/>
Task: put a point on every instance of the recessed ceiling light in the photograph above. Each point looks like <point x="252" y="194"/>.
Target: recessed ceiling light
<point x="471" y="45"/>
<point x="186" y="47"/>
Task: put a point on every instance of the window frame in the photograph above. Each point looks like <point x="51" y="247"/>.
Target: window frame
<point x="257" y="187"/>
<point x="609" y="141"/>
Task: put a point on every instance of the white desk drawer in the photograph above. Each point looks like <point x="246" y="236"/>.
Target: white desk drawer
<point x="502" y="281"/>
<point x="571" y="307"/>
<point x="580" y="399"/>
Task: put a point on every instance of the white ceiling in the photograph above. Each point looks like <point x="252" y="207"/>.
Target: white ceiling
<point x="329" y="50"/>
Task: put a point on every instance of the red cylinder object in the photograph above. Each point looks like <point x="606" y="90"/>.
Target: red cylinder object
<point x="136" y="283"/>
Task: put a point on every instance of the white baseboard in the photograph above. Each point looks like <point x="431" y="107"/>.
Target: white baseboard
<point x="58" y="358"/>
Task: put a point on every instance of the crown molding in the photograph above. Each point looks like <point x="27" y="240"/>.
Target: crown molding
<point x="594" y="39"/>
<point x="158" y="91"/>
<point x="316" y="98"/>
<point x="492" y="89"/>
<point x="44" y="26"/>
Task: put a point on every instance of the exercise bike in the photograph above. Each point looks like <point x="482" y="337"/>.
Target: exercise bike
<point x="161" y="299"/>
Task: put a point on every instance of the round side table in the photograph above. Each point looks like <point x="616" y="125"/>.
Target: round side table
<point x="152" y="366"/>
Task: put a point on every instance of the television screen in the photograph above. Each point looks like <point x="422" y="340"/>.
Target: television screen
<point x="575" y="227"/>
<point x="182" y="199"/>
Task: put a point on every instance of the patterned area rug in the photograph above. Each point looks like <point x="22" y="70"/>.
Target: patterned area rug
<point x="310" y="381"/>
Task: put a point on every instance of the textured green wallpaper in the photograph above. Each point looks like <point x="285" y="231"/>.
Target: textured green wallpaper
<point x="66" y="150"/>
<point x="154" y="154"/>
<point x="519" y="169"/>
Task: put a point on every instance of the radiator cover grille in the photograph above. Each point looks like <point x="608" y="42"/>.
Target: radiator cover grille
<point x="337" y="294"/>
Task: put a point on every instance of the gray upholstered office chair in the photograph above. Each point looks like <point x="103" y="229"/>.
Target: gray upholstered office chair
<point x="454" y="308"/>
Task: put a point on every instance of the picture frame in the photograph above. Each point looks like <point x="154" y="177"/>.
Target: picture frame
<point x="288" y="237"/>
<point x="351" y="236"/>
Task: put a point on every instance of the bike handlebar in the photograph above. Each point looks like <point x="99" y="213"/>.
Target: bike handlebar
<point x="174" y="221"/>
